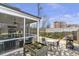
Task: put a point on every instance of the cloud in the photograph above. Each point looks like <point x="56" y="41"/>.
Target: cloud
<point x="55" y="5"/>
<point x="68" y="18"/>
<point x="77" y="14"/>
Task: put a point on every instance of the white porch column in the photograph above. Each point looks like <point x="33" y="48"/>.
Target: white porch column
<point x="38" y="32"/>
<point x="24" y="37"/>
<point x="24" y="29"/>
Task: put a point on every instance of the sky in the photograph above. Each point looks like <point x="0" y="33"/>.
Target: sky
<point x="67" y="12"/>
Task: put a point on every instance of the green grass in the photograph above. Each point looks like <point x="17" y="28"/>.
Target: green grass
<point x="56" y="35"/>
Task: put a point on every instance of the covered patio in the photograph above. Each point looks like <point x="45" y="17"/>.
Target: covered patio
<point x="15" y="28"/>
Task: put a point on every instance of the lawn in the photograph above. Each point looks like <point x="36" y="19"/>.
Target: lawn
<point x="55" y="35"/>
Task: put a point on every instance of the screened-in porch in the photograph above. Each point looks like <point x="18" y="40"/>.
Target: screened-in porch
<point x="15" y="29"/>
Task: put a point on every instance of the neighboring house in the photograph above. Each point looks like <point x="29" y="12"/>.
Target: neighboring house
<point x="15" y="28"/>
<point x="59" y="24"/>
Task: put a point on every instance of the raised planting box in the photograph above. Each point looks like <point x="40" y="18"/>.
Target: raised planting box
<point x="37" y="49"/>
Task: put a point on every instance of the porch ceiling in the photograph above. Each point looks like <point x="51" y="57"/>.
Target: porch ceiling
<point x="8" y="19"/>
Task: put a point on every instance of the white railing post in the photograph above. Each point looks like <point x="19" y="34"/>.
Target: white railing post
<point x="24" y="37"/>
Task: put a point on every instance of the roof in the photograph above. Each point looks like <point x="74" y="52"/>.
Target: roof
<point x="59" y="22"/>
<point x="17" y="9"/>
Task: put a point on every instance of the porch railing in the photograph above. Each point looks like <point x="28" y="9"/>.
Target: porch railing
<point x="13" y="41"/>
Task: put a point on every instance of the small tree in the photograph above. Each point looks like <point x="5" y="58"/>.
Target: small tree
<point x="44" y="26"/>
